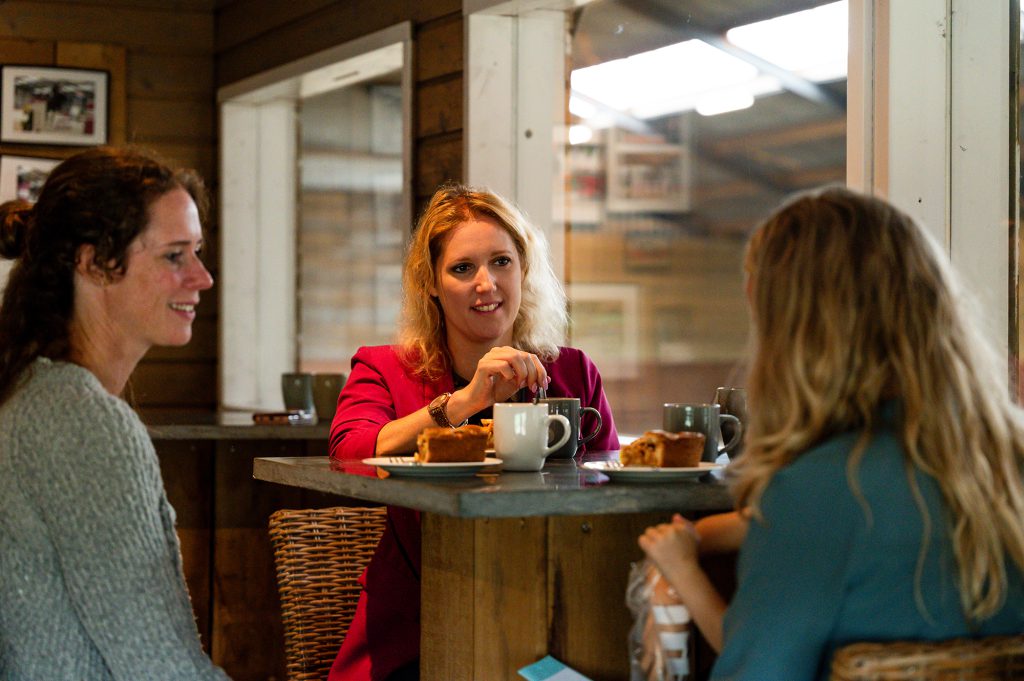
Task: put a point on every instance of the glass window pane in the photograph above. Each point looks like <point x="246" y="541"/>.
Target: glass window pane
<point x="689" y="121"/>
<point x="350" y="221"/>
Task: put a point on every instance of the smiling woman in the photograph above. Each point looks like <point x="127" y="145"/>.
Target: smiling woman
<point x="483" y="322"/>
<point x="153" y="302"/>
<point x="107" y="265"/>
<point x="479" y="284"/>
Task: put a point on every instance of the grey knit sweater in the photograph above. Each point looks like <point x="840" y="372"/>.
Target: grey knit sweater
<point x="91" y="584"/>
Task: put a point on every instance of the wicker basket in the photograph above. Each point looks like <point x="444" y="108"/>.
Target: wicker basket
<point x="987" y="659"/>
<point x="319" y="556"/>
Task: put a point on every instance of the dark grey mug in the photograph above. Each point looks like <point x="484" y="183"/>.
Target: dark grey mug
<point x="570" y="408"/>
<point x="733" y="401"/>
<point x="297" y="391"/>
<point x="702" y="418"/>
<point x="326" y="388"/>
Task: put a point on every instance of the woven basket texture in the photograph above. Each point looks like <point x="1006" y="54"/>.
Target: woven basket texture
<point x="319" y="555"/>
<point x="996" y="658"/>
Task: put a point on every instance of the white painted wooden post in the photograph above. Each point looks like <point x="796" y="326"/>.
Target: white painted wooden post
<point x="515" y="113"/>
<point x="258" y="307"/>
<point x="941" y="101"/>
<point x="982" y="182"/>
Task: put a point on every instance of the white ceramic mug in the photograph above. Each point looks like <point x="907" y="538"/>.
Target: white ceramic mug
<point x="521" y="435"/>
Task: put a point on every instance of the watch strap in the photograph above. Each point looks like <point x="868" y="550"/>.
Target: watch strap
<point x="438" y="412"/>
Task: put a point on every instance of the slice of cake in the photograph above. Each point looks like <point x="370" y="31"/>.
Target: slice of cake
<point x="662" y="449"/>
<point x="489" y="425"/>
<point x="444" y="445"/>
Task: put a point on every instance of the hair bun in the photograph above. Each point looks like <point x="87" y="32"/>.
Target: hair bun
<point x="15" y="219"/>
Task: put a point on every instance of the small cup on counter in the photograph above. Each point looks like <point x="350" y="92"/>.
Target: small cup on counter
<point x="326" y="388"/>
<point x="297" y="391"/>
<point x="702" y="418"/>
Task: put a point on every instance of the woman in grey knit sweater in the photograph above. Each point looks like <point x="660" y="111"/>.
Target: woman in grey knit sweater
<point x="107" y="265"/>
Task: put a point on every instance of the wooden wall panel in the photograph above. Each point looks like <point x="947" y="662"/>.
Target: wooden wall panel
<point x="240" y="22"/>
<point x="439" y="48"/>
<point x="161" y="30"/>
<point x="26" y="51"/>
<point x="190" y="384"/>
<point x="331" y="24"/>
<point x="173" y="120"/>
<point x="201" y="157"/>
<point x="168" y="5"/>
<point x="438" y="159"/>
<point x="162" y="76"/>
<point x="435" y="114"/>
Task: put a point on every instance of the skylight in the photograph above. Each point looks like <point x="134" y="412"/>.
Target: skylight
<point x="811" y="43"/>
<point x="695" y="75"/>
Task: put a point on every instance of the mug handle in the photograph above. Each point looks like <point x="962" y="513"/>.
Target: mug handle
<point x="600" y="423"/>
<point x="566" y="432"/>
<point x="736" y="435"/>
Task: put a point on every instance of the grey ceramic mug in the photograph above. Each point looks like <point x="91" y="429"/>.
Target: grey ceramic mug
<point x="326" y="388"/>
<point x="297" y="391"/>
<point x="570" y="408"/>
<point x="702" y="418"/>
<point x="733" y="401"/>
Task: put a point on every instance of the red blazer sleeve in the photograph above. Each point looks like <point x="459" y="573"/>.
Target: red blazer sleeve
<point x="379" y="390"/>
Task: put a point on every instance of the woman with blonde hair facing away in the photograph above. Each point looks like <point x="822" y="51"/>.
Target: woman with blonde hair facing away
<point x="483" y="321"/>
<point x="882" y="472"/>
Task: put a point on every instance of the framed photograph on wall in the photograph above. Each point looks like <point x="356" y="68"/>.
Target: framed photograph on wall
<point x="606" y="325"/>
<point x="21" y="177"/>
<point x="47" y="105"/>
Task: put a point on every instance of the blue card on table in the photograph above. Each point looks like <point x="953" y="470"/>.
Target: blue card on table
<point x="550" y="669"/>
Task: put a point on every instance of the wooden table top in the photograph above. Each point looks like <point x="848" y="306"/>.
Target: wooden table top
<point x="563" y="487"/>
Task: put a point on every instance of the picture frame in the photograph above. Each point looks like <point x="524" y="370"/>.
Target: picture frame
<point x="606" y="325"/>
<point x="22" y="177"/>
<point x="54" y="105"/>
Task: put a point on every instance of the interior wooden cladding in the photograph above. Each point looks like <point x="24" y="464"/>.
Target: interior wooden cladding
<point x="160" y="59"/>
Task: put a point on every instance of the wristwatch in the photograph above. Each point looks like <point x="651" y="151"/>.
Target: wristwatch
<point x="438" y="411"/>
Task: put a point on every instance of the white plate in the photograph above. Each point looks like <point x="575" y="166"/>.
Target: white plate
<point x="619" y="473"/>
<point x="406" y="466"/>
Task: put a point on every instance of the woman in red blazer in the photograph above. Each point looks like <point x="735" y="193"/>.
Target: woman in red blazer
<point x="483" y="320"/>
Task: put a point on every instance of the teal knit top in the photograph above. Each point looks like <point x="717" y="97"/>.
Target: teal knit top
<point x="823" y="570"/>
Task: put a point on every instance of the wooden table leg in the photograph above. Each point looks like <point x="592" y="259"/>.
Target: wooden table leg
<point x="499" y="594"/>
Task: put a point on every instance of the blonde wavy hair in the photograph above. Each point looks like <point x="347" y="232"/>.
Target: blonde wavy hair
<point x="542" y="321"/>
<point x="852" y="303"/>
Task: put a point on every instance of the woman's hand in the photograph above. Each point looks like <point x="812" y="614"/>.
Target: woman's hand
<point x="499" y="374"/>
<point x="672" y="547"/>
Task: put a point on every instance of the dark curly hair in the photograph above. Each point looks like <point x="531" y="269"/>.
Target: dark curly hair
<point x="99" y="197"/>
